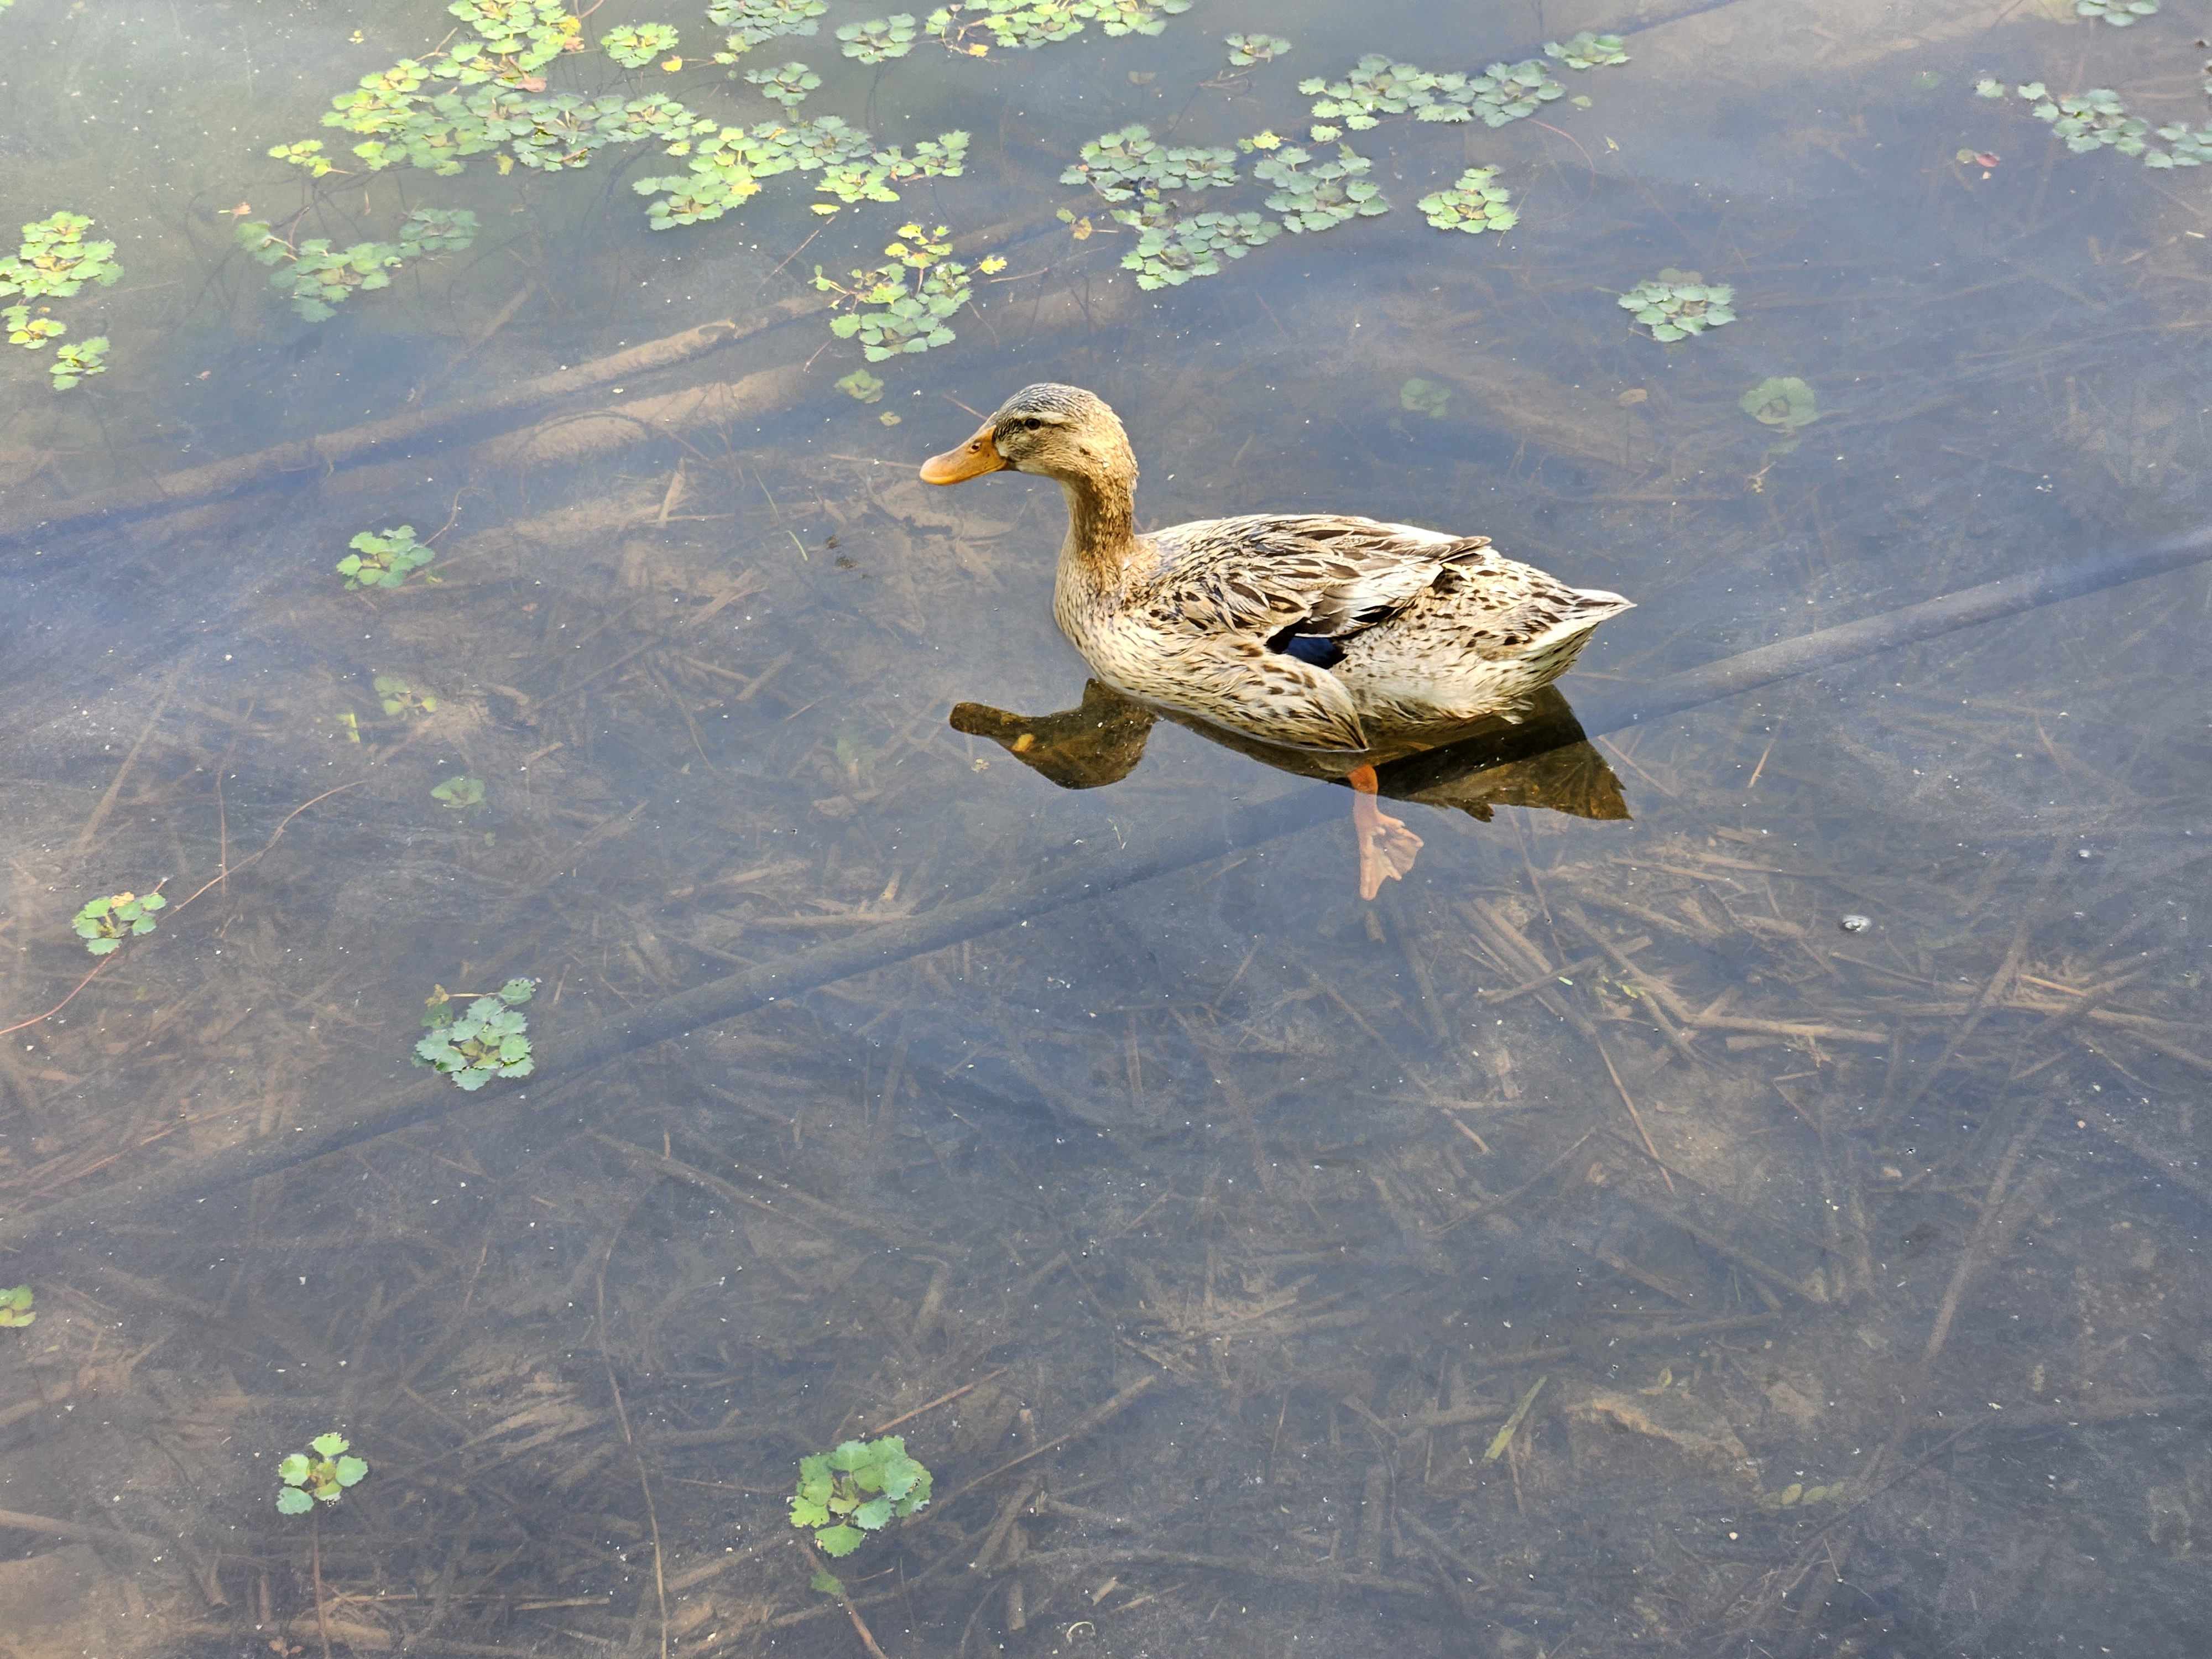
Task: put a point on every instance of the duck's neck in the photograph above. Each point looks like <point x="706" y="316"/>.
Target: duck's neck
<point x="1102" y="525"/>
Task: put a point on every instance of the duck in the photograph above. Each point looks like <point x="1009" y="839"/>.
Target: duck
<point x="1330" y="635"/>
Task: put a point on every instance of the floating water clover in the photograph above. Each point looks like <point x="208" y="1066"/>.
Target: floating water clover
<point x="459" y="794"/>
<point x="1323" y="194"/>
<point x="633" y="46"/>
<point x="1118" y="165"/>
<point x="1785" y="403"/>
<point x="104" y="923"/>
<point x="972" y="27"/>
<point x="1988" y="87"/>
<point x="16" y="1310"/>
<point x="319" y="1478"/>
<point x="725" y="169"/>
<point x="1377" y="87"/>
<point x="1421" y="397"/>
<point x="1246" y="50"/>
<point x="1676" y="304"/>
<point x="1168" y="255"/>
<point x="512" y="40"/>
<point x="2089" y="120"/>
<point x="2191" y="150"/>
<point x="1474" y="204"/>
<point x="79" y="358"/>
<point x="786" y="84"/>
<point x="880" y="39"/>
<point x="1587" y="51"/>
<point x="844" y="1495"/>
<point x="483" y="1042"/>
<point x="29" y="331"/>
<point x="871" y="180"/>
<point x="862" y="385"/>
<point x="384" y="558"/>
<point x="308" y="154"/>
<point x="54" y="260"/>
<point x="748" y="22"/>
<point x="399" y="699"/>
<point x="2120" y="14"/>
<point x="318" y="277"/>
<point x="901" y="306"/>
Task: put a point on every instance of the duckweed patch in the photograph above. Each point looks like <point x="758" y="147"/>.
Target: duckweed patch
<point x="1246" y="50"/>
<point x="1323" y="195"/>
<point x="384" y="558"/>
<point x="1169" y="255"/>
<point x="880" y="39"/>
<point x="104" y="923"/>
<point x="1118" y="165"/>
<point x="1476" y="204"/>
<point x="319" y="1475"/>
<point x="861" y="1487"/>
<point x="901" y="305"/>
<point x="1586" y="51"/>
<point x="488" y="1039"/>
<point x="635" y="45"/>
<point x="1675" y="305"/>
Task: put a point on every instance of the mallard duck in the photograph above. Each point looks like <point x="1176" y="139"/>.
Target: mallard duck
<point x="1308" y="631"/>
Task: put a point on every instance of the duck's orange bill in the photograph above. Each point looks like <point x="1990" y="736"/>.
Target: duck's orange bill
<point x="972" y="459"/>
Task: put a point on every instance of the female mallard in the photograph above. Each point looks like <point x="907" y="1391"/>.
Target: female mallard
<point x="1311" y="631"/>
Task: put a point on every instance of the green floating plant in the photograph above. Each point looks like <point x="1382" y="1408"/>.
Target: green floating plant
<point x="459" y="794"/>
<point x="1377" y="87"/>
<point x="973" y="27"/>
<point x="29" y="331"/>
<point x="1587" y="51"/>
<point x="862" y="385"/>
<point x="633" y="46"/>
<point x="901" y="305"/>
<point x="1168" y="255"/>
<point x="484" y="1041"/>
<point x="748" y="22"/>
<point x="511" y="40"/>
<point x="871" y="180"/>
<point x="319" y="1475"/>
<point x="384" y="558"/>
<point x="54" y="260"/>
<point x="1785" y="403"/>
<point x="104" y="923"/>
<point x="860" y="1488"/>
<point x="1117" y="165"/>
<point x="1246" y="50"/>
<point x="880" y="39"/>
<point x="1474" y="204"/>
<point x="1676" y="304"/>
<point x="2120" y="14"/>
<point x="786" y="84"/>
<point x="2094" y="119"/>
<point x="726" y="170"/>
<point x="2191" y="150"/>
<point x="399" y="699"/>
<point x="15" y="1309"/>
<point x="1420" y="396"/>
<point x="318" y="278"/>
<point x="79" y="358"/>
<point x="1326" y="193"/>
<point x="308" y="154"/>
<point x="1797" y="1493"/>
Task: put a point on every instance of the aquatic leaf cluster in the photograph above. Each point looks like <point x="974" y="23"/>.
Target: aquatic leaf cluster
<point x="384" y="559"/>
<point x="459" y="794"/>
<point x="398" y="698"/>
<point x="1246" y="50"/>
<point x="1118" y="165"/>
<point x="1676" y="304"/>
<point x="2090" y="120"/>
<point x="104" y="923"/>
<point x="511" y="40"/>
<point x="1476" y="204"/>
<point x="1586" y="51"/>
<point x="880" y="39"/>
<point x="973" y="27"/>
<point x="1323" y="194"/>
<point x="485" y="1040"/>
<point x="15" y="1309"/>
<point x="871" y="180"/>
<point x="860" y="1488"/>
<point x="319" y="1474"/>
<point x="1785" y="402"/>
<point x="748" y="22"/>
<point x="75" y="359"/>
<point x="318" y="277"/>
<point x="1377" y="87"/>
<point x="565" y="131"/>
<point x="861" y="386"/>
<point x="2120" y="14"/>
<point x="633" y="46"/>
<point x="786" y="84"/>
<point x="726" y="170"/>
<point x="1168" y="255"/>
<point x="902" y="304"/>
<point x="52" y="263"/>
<point x="2191" y="150"/>
<point x="1420" y="396"/>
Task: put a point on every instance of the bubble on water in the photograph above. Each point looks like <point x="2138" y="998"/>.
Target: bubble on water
<point x="2083" y="852"/>
<point x="1856" y="924"/>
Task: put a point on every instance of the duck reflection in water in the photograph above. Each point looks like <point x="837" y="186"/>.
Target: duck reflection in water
<point x="1537" y="758"/>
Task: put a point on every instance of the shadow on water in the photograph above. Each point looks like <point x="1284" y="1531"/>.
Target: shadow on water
<point x="1757" y="1225"/>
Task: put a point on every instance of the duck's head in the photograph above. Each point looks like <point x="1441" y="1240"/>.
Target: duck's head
<point x="1059" y="431"/>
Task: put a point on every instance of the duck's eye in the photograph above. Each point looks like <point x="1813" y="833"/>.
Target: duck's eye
<point x="1032" y="423"/>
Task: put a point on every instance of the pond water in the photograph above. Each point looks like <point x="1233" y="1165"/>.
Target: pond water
<point x="1739" y="1192"/>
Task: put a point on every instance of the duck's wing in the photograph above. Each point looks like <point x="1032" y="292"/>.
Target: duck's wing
<point x="1321" y="576"/>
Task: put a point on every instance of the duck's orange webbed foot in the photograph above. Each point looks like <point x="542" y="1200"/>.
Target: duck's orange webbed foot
<point x="1386" y="848"/>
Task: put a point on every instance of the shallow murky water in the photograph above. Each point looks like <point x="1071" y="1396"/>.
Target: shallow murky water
<point x="1779" y="1113"/>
